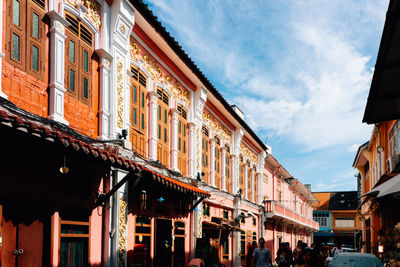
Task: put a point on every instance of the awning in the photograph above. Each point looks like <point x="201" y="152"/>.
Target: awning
<point x="65" y="140"/>
<point x="391" y="186"/>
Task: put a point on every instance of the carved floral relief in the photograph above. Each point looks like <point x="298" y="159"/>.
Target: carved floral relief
<point x="157" y="73"/>
<point x="248" y="153"/>
<point x="217" y="127"/>
<point x="93" y="8"/>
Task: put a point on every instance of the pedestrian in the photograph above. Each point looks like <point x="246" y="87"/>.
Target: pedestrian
<point x="262" y="255"/>
<point x="298" y="253"/>
<point x="249" y="257"/>
<point x="196" y="262"/>
<point x="284" y="258"/>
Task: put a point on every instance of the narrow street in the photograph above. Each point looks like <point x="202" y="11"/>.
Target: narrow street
<point x="147" y="133"/>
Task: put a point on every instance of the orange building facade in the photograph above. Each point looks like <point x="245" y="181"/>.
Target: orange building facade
<point x="130" y="155"/>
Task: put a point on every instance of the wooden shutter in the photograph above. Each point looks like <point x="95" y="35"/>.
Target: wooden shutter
<point x="138" y="105"/>
<point x="182" y="140"/>
<point x="16" y="33"/>
<point x="36" y="39"/>
<point x="163" y="128"/>
<point x="205" y="153"/>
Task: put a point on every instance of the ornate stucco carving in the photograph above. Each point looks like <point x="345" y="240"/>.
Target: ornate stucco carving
<point x="248" y="153"/>
<point x="92" y="14"/>
<point x="120" y="96"/>
<point x="158" y="74"/>
<point x="121" y="231"/>
<point x="217" y="127"/>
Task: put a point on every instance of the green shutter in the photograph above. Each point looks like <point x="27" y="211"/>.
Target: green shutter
<point x="16" y="9"/>
<point x="165" y="116"/>
<point x="159" y="112"/>
<point x="16" y="45"/>
<point x="134" y="116"/>
<point x="35" y="58"/>
<point x="71" y="51"/>
<point x="85" y="88"/>
<point x="85" y="60"/>
<point x="142" y="121"/>
<point x="71" y="80"/>
<point x="142" y="99"/>
<point x="35" y="25"/>
<point x="134" y="94"/>
<point x="179" y="126"/>
<point x="184" y="130"/>
<point x="159" y="131"/>
<point x="165" y="135"/>
<point x="184" y="146"/>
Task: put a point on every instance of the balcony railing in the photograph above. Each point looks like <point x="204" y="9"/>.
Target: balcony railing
<point x="278" y="209"/>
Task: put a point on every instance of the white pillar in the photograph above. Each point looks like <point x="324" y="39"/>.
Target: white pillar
<point x="153" y="124"/>
<point x="174" y="139"/>
<point x="104" y="95"/>
<point x="56" y="82"/>
<point x="259" y="188"/>
<point x="223" y="165"/>
<point x="234" y="173"/>
<point x="212" y="162"/>
<point x="191" y="149"/>
<point x="252" y="186"/>
<point x="245" y="181"/>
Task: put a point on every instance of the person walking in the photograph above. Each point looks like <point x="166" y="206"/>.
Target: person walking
<point x="262" y="255"/>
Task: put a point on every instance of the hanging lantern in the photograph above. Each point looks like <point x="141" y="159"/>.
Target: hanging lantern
<point x="143" y="200"/>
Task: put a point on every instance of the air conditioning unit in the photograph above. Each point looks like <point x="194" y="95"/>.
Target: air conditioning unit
<point x="391" y="162"/>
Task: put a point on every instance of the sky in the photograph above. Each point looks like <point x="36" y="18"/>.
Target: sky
<point x="300" y="71"/>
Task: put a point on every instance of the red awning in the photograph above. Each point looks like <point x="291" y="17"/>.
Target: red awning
<point x="48" y="130"/>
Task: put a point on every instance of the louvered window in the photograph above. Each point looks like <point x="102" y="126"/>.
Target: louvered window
<point x="205" y="153"/>
<point x="182" y="140"/>
<point x="163" y="144"/>
<point x="26" y="36"/>
<point x="78" y="62"/>
<point x="138" y="129"/>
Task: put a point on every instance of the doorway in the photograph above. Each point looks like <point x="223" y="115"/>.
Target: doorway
<point x="22" y="245"/>
<point x="163" y="253"/>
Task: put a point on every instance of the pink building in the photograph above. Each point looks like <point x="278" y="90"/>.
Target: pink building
<point x="288" y="207"/>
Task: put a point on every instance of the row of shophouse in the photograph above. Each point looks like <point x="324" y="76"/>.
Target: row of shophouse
<point x="116" y="150"/>
<point x="377" y="160"/>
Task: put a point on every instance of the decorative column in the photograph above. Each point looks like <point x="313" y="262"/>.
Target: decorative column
<point x="259" y="188"/>
<point x="56" y="82"/>
<point x="152" y="124"/>
<point x="223" y="173"/>
<point x="237" y="139"/>
<point x="119" y="221"/>
<point x="245" y="177"/>
<point x="212" y="162"/>
<point x="191" y="148"/>
<point x="234" y="171"/>
<point x="200" y="98"/>
<point x="104" y="97"/>
<point x="174" y="138"/>
<point x="252" y="186"/>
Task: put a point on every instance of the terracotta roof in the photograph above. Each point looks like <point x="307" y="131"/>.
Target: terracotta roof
<point x="12" y="116"/>
<point x="177" y="48"/>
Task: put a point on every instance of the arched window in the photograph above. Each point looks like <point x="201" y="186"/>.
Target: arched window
<point x="163" y="128"/>
<point x="182" y="140"/>
<point x="228" y="180"/>
<point x="217" y="162"/>
<point x="205" y="153"/>
<point x="79" y="47"/>
<point x="26" y="36"/>
<point x="138" y="112"/>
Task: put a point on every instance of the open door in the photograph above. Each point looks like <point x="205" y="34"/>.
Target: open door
<point x="163" y="253"/>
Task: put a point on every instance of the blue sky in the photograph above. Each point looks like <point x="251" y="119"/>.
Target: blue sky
<point x="300" y="70"/>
